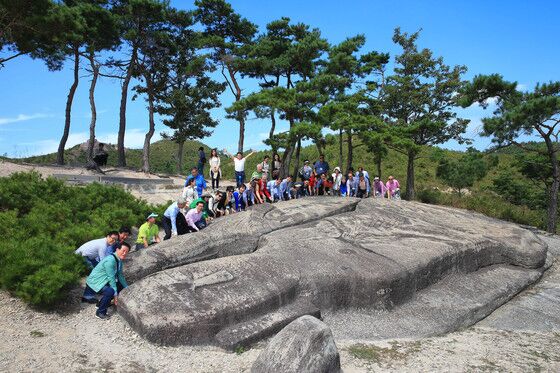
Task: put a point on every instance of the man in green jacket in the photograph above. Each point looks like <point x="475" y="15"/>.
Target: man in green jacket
<point x="107" y="280"/>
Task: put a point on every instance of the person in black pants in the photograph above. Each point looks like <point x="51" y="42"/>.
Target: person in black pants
<point x="170" y="217"/>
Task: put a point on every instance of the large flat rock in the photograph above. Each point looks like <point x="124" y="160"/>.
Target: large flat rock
<point x="233" y="234"/>
<point x="537" y="309"/>
<point x="378" y="257"/>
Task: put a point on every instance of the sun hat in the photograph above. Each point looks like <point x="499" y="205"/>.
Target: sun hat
<point x="152" y="215"/>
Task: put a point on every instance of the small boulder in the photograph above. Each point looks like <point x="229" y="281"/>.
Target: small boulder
<point x="305" y="345"/>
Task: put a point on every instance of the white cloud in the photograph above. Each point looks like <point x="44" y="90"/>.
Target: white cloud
<point x="22" y="118"/>
<point x="27" y="149"/>
<point x="521" y="87"/>
<point x="133" y="138"/>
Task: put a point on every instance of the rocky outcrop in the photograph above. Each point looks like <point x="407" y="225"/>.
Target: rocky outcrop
<point x="305" y="345"/>
<point x="378" y="257"/>
<point x="232" y="235"/>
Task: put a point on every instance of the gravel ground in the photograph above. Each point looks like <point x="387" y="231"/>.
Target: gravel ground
<point x="76" y="341"/>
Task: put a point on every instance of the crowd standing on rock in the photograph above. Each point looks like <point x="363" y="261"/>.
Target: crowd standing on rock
<point x="198" y="205"/>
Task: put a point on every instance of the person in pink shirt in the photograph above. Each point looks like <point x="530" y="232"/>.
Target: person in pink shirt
<point x="393" y="188"/>
<point x="194" y="218"/>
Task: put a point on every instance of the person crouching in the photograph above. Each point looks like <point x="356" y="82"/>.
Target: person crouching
<point x="107" y="279"/>
<point x="194" y="218"/>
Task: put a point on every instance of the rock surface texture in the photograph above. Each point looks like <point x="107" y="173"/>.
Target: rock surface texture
<point x="306" y="345"/>
<point x="428" y="269"/>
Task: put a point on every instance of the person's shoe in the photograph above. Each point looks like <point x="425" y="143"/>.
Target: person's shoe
<point x="110" y="304"/>
<point x="102" y="316"/>
<point x="89" y="300"/>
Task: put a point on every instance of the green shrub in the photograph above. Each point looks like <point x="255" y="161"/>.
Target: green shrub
<point x="45" y="221"/>
<point x="430" y="195"/>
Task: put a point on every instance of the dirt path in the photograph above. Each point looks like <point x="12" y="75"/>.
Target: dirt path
<point x="77" y="341"/>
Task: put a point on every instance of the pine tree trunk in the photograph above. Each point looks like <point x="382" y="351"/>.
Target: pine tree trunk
<point x="288" y="159"/>
<point x="298" y="151"/>
<point x="272" y="129"/>
<point x="340" y="156"/>
<point x="91" y="143"/>
<point x="240" y="144"/>
<point x="240" y="115"/>
<point x="378" y="163"/>
<point x="150" y="133"/>
<point x="350" y="150"/>
<point x="552" y="213"/>
<point x="121" y="160"/>
<point x="409" y="195"/>
<point x="62" y="145"/>
<point x="180" y="156"/>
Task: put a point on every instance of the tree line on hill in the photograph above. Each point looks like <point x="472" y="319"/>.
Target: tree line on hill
<point x="173" y="58"/>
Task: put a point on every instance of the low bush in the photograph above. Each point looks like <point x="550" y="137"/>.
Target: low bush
<point x="44" y="221"/>
<point x="487" y="203"/>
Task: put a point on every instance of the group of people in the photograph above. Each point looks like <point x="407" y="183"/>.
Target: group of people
<point x="198" y="205"/>
<point x="104" y="258"/>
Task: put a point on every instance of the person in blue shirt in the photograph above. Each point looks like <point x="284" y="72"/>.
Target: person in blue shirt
<point x="351" y="185"/>
<point x="274" y="190"/>
<point x="170" y="217"/>
<point x="285" y="188"/>
<point x="343" y="187"/>
<point x="200" y="182"/>
<point x="321" y="167"/>
<point x="240" y="197"/>
<point x="95" y="250"/>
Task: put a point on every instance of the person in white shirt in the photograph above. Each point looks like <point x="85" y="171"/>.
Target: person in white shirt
<point x="337" y="180"/>
<point x="189" y="192"/>
<point x="239" y="165"/>
<point x="95" y="250"/>
<point x="215" y="170"/>
<point x="266" y="166"/>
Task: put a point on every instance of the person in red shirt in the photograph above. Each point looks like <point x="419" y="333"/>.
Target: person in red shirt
<point x="312" y="182"/>
<point x="262" y="191"/>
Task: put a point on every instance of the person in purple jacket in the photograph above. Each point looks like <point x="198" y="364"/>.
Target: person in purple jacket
<point x="194" y="218"/>
<point x="393" y="188"/>
<point x="378" y="188"/>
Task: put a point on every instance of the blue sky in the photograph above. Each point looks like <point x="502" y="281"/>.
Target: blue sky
<point x="518" y="39"/>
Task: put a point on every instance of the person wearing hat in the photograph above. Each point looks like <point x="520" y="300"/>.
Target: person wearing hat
<point x="306" y="171"/>
<point x="378" y="188"/>
<point x="170" y="216"/>
<point x="336" y="180"/>
<point x="148" y="234"/>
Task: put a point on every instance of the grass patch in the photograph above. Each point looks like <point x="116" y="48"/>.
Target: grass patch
<point x="37" y="334"/>
<point x="381" y="355"/>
